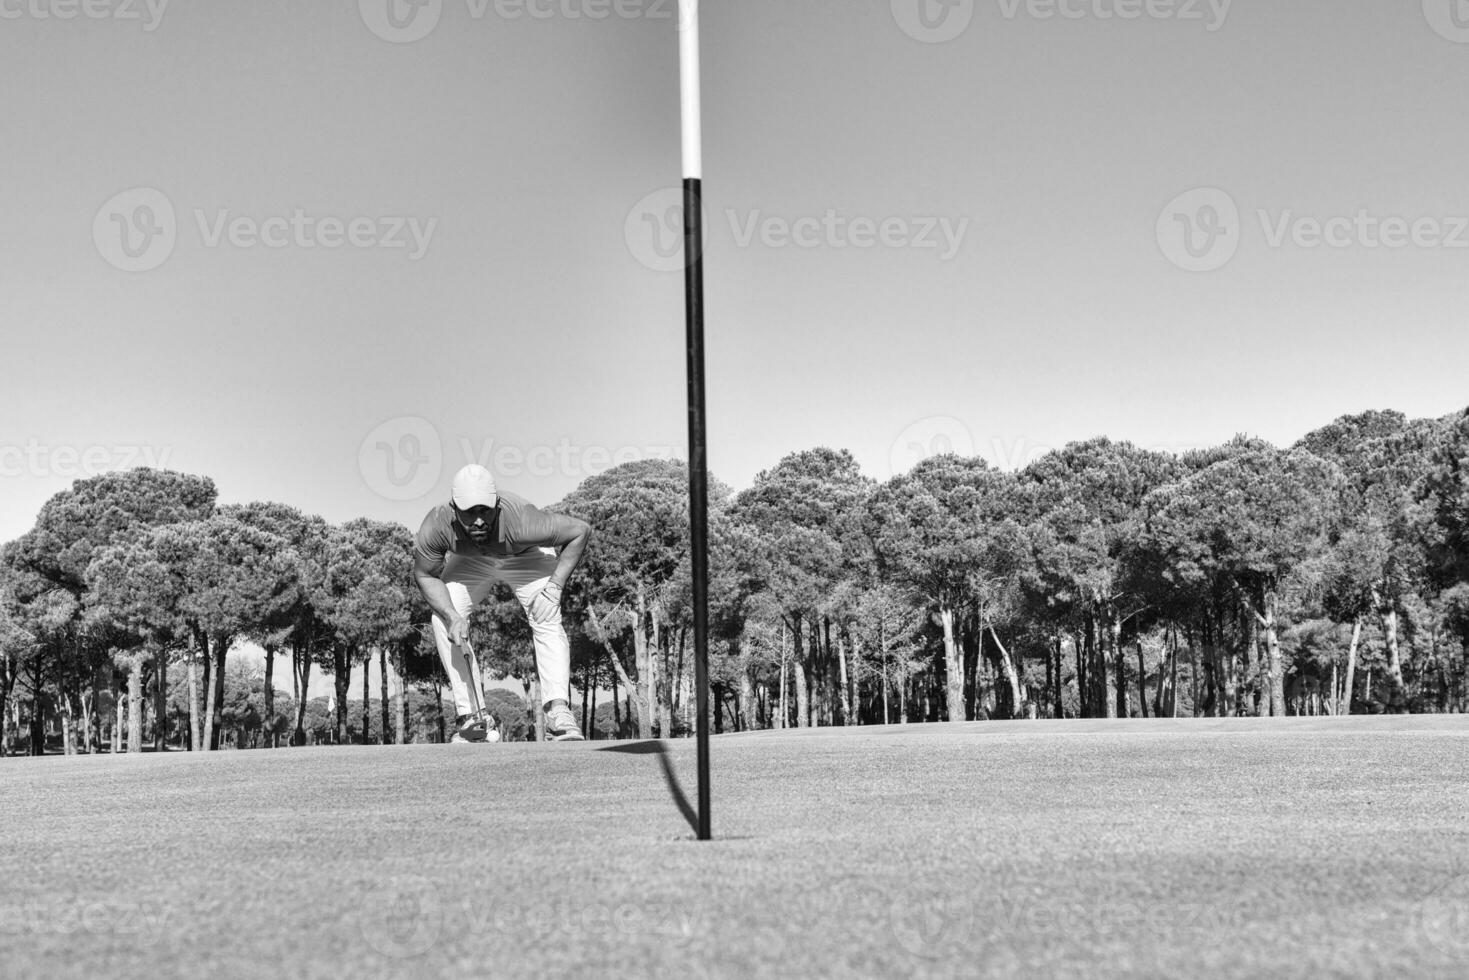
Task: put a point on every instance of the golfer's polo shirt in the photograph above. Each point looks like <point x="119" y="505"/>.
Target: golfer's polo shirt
<point x="520" y="527"/>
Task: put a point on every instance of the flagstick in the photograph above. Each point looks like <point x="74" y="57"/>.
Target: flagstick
<point x="693" y="227"/>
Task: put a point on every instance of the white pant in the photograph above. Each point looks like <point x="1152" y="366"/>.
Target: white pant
<point x="470" y="580"/>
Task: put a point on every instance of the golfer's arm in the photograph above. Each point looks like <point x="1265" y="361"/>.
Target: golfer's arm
<point x="571" y="553"/>
<point x="435" y="593"/>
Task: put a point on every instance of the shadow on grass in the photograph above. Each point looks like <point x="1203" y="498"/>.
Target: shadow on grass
<point x="656" y="747"/>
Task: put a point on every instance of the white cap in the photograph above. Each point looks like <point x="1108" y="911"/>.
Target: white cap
<point x="474" y="487"/>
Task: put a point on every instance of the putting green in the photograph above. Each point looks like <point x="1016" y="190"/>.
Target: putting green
<point x="1301" y="847"/>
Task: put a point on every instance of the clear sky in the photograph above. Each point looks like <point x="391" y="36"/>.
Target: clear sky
<point x="930" y="226"/>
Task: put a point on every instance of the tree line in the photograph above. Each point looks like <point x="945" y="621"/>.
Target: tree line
<point x="1102" y="580"/>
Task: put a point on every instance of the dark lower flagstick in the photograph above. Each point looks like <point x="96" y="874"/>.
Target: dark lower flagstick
<point x="693" y="228"/>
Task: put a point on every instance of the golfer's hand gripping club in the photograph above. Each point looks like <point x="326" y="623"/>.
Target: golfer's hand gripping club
<point x="459" y="631"/>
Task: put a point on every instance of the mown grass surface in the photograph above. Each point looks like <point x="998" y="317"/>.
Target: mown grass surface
<point x="1297" y="848"/>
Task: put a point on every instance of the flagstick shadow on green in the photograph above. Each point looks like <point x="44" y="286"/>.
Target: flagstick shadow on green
<point x="656" y="747"/>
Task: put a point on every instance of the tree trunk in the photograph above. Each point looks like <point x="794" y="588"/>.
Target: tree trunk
<point x="160" y="701"/>
<point x="303" y="656"/>
<point x="1060" y="692"/>
<point x="38" y="724"/>
<point x="402" y="707"/>
<point x="784" y="693"/>
<point x="1254" y="681"/>
<point x="341" y="681"/>
<point x="1397" y="689"/>
<point x="537" y="709"/>
<point x="367" y="698"/>
<point x="119" y="717"/>
<point x="591" y="727"/>
<point x="1119" y="658"/>
<point x="798" y="667"/>
<point x="665" y="671"/>
<point x="382" y="672"/>
<point x="882" y="647"/>
<point x="1142" y="681"/>
<point x="68" y="745"/>
<point x="269" y="696"/>
<point x="135" y="704"/>
<point x="1012" y="678"/>
<point x="586" y="690"/>
<point x="953" y="665"/>
<point x="1083" y="649"/>
<point x="216" y="712"/>
<point x="616" y="697"/>
<point x="196" y="734"/>
<point x="1173" y="679"/>
<point x="1345" y="708"/>
<point x="210" y="735"/>
<point x="1273" y="663"/>
<point x="94" y="712"/>
<point x="747" y="707"/>
<point x="439" y="701"/>
<point x="645" y="699"/>
<point x="902" y="700"/>
<point x="846" y="689"/>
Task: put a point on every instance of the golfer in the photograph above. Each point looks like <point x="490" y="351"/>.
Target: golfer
<point x="464" y="548"/>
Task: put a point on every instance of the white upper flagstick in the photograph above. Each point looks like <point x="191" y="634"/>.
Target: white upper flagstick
<point x="688" y="50"/>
